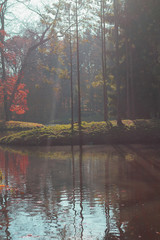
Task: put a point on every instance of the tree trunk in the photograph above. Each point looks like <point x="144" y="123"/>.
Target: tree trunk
<point x="129" y="71"/>
<point x="104" y="75"/>
<point x="128" y="85"/>
<point x="119" y="121"/>
<point x="6" y="108"/>
<point x="78" y="69"/>
<point x="71" y="71"/>
<point x="128" y="81"/>
<point x="132" y="85"/>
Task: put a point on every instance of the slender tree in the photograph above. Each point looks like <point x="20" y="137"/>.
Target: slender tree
<point x="71" y="66"/>
<point x="41" y="38"/>
<point x="104" y="73"/>
<point x="3" y="8"/>
<point x="117" y="77"/>
<point x="129" y="67"/>
<point x="78" y="68"/>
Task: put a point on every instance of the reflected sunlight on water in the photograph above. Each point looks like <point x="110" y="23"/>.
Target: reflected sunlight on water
<point x="93" y="192"/>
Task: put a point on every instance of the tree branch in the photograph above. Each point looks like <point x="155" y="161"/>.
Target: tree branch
<point x="24" y="64"/>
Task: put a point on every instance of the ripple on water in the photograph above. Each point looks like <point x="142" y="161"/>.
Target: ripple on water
<point x="109" y="194"/>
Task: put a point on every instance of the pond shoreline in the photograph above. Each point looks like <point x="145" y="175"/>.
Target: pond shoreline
<point x="131" y="132"/>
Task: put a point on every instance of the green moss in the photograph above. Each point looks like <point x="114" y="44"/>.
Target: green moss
<point x="18" y="125"/>
<point x="137" y="131"/>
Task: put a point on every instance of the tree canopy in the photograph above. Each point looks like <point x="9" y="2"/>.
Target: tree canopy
<point x="119" y="61"/>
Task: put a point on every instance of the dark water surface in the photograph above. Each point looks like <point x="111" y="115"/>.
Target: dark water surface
<point x="93" y="192"/>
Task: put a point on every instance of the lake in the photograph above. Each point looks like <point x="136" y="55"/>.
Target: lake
<point x="90" y="192"/>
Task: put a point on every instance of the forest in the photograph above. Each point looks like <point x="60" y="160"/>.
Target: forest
<point x="80" y="60"/>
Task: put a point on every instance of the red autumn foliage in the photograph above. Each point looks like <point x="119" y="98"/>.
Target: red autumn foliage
<point x="19" y="104"/>
<point x="11" y="57"/>
<point x="7" y="85"/>
<point x="17" y="163"/>
<point x="3" y="32"/>
<point x="1" y="45"/>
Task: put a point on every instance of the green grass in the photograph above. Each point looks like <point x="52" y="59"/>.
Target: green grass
<point x="18" y="125"/>
<point x="138" y="131"/>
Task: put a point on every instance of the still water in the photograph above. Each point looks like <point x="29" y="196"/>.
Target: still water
<point x="89" y="192"/>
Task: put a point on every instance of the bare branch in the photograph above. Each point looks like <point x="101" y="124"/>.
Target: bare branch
<point x="24" y="64"/>
<point x="43" y="39"/>
<point x="31" y="9"/>
<point x="1" y="4"/>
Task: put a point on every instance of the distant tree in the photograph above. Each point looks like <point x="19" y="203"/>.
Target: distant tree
<point x="117" y="77"/>
<point x="71" y="65"/>
<point x="141" y="32"/>
<point x="78" y="67"/>
<point x="104" y="70"/>
<point x="11" y="86"/>
<point x="16" y="102"/>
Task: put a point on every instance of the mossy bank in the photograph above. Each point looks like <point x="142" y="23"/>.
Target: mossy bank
<point x="18" y="126"/>
<point x="137" y="131"/>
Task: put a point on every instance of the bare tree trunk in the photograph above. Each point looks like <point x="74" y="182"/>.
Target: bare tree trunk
<point x="129" y="71"/>
<point x="119" y="121"/>
<point x="132" y="85"/>
<point x="78" y="69"/>
<point x="6" y="108"/>
<point x="128" y="81"/>
<point x="104" y="75"/>
<point x="71" y="70"/>
<point x="128" y="90"/>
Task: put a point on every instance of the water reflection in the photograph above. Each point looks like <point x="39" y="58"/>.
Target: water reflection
<point x="89" y="192"/>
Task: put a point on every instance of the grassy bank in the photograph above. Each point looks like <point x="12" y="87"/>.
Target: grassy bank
<point x="18" y="126"/>
<point x="138" y="131"/>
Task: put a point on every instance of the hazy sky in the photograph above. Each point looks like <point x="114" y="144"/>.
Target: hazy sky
<point x="20" y="16"/>
<point x="23" y="12"/>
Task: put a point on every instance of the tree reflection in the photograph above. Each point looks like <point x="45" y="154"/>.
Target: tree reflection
<point x="107" y="197"/>
<point x="73" y="191"/>
<point x="82" y="192"/>
<point x="11" y="165"/>
<point x="81" y="189"/>
<point x="131" y="184"/>
<point x="5" y="210"/>
<point x="4" y="195"/>
<point x="14" y="162"/>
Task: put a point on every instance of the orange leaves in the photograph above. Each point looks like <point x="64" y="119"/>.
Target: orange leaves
<point x="1" y="45"/>
<point x="18" y="109"/>
<point x="3" y="32"/>
<point x="19" y="105"/>
<point x="12" y="49"/>
<point x="11" y="57"/>
<point x="21" y="86"/>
